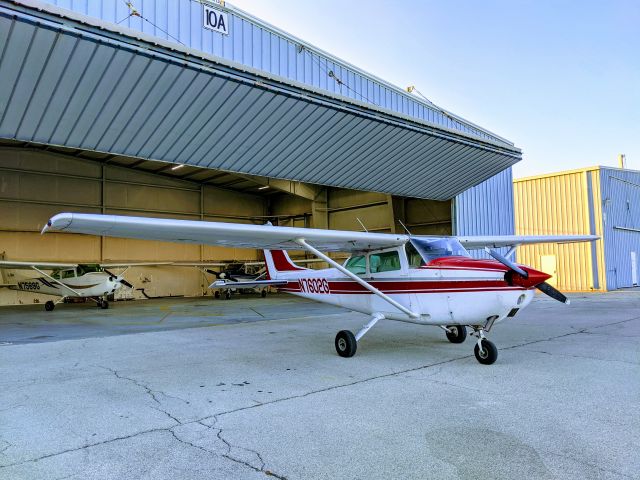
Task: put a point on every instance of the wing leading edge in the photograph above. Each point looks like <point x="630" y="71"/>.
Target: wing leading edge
<point x="472" y="243"/>
<point x="220" y="234"/>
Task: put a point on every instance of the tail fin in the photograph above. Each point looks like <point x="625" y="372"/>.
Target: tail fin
<point x="278" y="262"/>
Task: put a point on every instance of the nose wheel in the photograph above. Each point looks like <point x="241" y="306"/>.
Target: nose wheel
<point x="485" y="351"/>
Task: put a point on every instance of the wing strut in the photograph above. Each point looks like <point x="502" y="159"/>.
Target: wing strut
<point x="75" y="292"/>
<point x="355" y="278"/>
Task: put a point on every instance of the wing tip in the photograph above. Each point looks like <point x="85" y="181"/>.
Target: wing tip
<point x="58" y="222"/>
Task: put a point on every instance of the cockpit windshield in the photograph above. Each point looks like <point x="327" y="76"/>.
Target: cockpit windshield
<point x="421" y="251"/>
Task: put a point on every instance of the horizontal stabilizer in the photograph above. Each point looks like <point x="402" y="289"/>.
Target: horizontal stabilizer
<point x="250" y="284"/>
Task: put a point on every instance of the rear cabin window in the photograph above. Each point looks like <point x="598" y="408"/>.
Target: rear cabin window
<point x="357" y="265"/>
<point x="384" y="262"/>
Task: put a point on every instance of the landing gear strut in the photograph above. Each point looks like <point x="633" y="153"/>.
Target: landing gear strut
<point x="347" y="343"/>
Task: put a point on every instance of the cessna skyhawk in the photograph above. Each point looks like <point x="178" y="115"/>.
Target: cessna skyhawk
<point x="416" y="279"/>
<point x="68" y="280"/>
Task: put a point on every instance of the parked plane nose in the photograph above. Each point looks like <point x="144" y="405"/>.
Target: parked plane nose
<point x="535" y="277"/>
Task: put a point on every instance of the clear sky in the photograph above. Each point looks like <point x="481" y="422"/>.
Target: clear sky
<point x="561" y="79"/>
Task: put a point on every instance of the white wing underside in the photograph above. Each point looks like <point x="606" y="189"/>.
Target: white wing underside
<point x="262" y="236"/>
<point x="29" y="265"/>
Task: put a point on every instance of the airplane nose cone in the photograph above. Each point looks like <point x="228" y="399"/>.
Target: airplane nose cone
<point x="535" y="277"/>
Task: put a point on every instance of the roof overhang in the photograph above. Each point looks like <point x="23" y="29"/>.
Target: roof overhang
<point x="74" y="81"/>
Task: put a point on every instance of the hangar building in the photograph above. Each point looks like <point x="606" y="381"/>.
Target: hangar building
<point x="198" y="110"/>
<point x="600" y="201"/>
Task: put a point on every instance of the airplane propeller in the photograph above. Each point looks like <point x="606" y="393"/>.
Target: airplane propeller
<point x="119" y="279"/>
<point x="544" y="287"/>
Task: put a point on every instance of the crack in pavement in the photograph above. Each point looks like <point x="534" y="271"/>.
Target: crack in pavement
<point x="148" y="390"/>
<point x="229" y="446"/>
<point x="584" y="356"/>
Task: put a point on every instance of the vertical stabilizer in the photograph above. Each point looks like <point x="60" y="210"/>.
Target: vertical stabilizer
<point x="278" y="262"/>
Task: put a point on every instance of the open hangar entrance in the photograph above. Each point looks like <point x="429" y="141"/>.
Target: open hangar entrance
<point x="101" y="118"/>
<point x="38" y="182"/>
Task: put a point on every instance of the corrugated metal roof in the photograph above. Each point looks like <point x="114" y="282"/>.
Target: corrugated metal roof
<point x="253" y="42"/>
<point x="75" y="85"/>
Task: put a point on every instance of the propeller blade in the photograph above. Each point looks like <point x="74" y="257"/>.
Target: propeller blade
<point x="212" y="272"/>
<point x="506" y="262"/>
<point x="110" y="273"/>
<point x="125" y="283"/>
<point x="544" y="287"/>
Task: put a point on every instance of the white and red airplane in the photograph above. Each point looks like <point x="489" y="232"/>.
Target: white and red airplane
<point x="417" y="279"/>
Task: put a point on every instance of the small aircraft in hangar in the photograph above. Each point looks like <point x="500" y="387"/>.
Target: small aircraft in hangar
<point x="409" y="278"/>
<point x="68" y="280"/>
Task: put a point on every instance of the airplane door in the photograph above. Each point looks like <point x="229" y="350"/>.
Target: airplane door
<point x="634" y="269"/>
<point x="548" y="265"/>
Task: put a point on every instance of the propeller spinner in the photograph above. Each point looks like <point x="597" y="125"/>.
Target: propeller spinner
<point x="543" y="286"/>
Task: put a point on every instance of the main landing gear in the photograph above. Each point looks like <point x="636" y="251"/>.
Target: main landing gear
<point x="347" y="343"/>
<point x="49" y="305"/>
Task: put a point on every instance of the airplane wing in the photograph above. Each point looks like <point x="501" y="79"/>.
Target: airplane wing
<point x="221" y="234"/>
<point x="472" y="243"/>
<point x="30" y="265"/>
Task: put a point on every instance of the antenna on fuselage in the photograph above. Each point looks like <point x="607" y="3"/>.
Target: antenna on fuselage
<point x="404" y="226"/>
<point x="360" y="222"/>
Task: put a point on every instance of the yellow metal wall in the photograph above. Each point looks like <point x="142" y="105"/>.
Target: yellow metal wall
<point x="558" y="204"/>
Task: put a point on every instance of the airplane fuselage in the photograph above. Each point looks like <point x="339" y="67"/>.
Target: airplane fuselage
<point x="92" y="284"/>
<point x="467" y="293"/>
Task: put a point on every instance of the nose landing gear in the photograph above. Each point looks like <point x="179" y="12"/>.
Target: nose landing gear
<point x="485" y="351"/>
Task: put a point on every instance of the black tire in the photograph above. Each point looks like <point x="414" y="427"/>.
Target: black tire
<point x="346" y="344"/>
<point x="216" y="294"/>
<point x="227" y="295"/>
<point x="49" y="305"/>
<point x="457" y="333"/>
<point x="104" y="304"/>
<point x="263" y="293"/>
<point x="489" y="352"/>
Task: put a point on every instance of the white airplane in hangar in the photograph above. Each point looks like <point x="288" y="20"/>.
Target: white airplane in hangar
<point x="409" y="278"/>
<point x="68" y="280"/>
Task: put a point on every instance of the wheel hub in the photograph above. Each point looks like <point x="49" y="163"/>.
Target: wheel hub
<point x="342" y="344"/>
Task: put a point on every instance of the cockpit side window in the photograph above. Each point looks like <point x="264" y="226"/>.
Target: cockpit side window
<point x="357" y="264"/>
<point x="384" y="262"/>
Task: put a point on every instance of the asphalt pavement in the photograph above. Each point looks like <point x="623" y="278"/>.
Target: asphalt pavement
<point x="252" y="388"/>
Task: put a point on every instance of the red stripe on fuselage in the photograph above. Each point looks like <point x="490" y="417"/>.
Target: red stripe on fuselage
<point x="415" y="286"/>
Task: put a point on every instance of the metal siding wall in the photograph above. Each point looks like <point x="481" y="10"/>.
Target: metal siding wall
<point x="558" y="205"/>
<point x="486" y="209"/>
<point x="620" y="190"/>
<point x="256" y="45"/>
